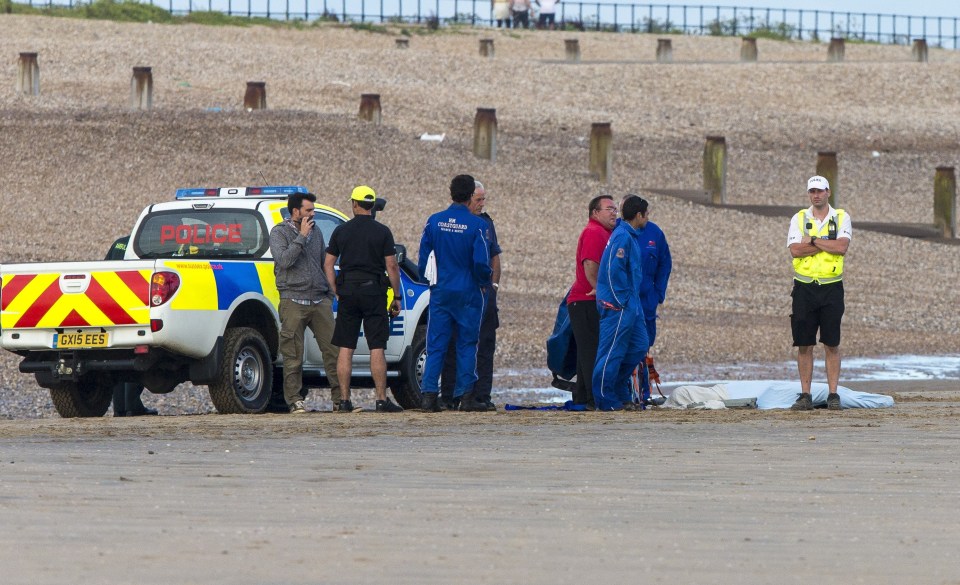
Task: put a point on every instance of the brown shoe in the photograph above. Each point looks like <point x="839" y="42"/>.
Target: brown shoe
<point x="805" y="402"/>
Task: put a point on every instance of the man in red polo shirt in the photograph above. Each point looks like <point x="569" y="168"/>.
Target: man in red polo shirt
<point x="582" y="300"/>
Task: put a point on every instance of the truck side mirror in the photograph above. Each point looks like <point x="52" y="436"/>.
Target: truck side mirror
<point x="378" y="205"/>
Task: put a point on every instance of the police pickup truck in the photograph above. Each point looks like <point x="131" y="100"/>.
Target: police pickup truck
<point x="194" y="299"/>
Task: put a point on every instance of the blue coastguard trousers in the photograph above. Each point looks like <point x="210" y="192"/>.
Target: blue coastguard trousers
<point x="644" y="373"/>
<point x="453" y="310"/>
<point x="623" y="344"/>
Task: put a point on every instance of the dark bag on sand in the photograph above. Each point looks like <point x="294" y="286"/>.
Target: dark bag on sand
<point x="562" y="349"/>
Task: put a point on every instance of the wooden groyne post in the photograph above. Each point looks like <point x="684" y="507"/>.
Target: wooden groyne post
<point x="827" y="168"/>
<point x="486" y="48"/>
<point x="256" y="96"/>
<point x="919" y="51"/>
<point x="748" y="50"/>
<point x="141" y="88"/>
<point x="715" y="169"/>
<point x="945" y="201"/>
<point x="572" y="48"/>
<point x="835" y="52"/>
<point x="370" y="107"/>
<point x="664" y="51"/>
<point x="485" y="134"/>
<point x="28" y="80"/>
<point x="601" y="151"/>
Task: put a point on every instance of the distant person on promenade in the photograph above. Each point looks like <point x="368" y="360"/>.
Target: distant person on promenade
<point x="818" y="239"/>
<point x="582" y="300"/>
<point x="454" y="258"/>
<point x="368" y="265"/>
<point x="502" y="12"/>
<point x="548" y="14"/>
<point x="623" y="330"/>
<point x="521" y="13"/>
<point x="488" y="327"/>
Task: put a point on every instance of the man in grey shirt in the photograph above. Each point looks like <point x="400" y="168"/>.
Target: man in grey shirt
<point x="306" y="299"/>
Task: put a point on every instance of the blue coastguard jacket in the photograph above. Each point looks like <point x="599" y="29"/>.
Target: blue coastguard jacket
<point x="456" y="237"/>
<point x="621" y="269"/>
<point x="657" y="265"/>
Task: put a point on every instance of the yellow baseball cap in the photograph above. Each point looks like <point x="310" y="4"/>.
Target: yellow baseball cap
<point x="363" y="193"/>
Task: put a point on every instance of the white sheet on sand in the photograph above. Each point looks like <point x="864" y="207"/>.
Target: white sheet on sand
<point x="770" y="394"/>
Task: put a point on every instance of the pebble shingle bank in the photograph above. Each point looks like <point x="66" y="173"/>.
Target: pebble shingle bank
<point x="79" y="165"/>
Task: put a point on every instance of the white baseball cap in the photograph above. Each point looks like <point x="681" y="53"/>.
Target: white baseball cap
<point x="818" y="182"/>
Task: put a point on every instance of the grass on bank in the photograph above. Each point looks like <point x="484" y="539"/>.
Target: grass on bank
<point x="130" y="11"/>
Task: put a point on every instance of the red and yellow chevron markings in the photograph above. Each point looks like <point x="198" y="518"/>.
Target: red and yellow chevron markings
<point x="111" y="298"/>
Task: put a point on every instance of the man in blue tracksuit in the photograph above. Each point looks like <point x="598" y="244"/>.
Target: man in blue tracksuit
<point x="623" y="330"/>
<point x="657" y="265"/>
<point x="459" y="271"/>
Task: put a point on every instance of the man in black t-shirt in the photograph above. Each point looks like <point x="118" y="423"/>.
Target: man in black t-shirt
<point x="368" y="262"/>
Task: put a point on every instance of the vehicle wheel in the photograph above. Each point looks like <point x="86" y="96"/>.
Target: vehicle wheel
<point x="85" y="398"/>
<point x="245" y="379"/>
<point x="407" y="389"/>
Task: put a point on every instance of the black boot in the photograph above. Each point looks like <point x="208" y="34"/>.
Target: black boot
<point x="428" y="402"/>
<point x="119" y="400"/>
<point x="448" y="403"/>
<point x="135" y="405"/>
<point x="469" y="403"/>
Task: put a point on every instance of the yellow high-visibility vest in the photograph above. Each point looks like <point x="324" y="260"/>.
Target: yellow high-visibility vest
<point x="823" y="267"/>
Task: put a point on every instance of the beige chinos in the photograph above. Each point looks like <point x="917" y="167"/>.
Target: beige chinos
<point x="294" y="320"/>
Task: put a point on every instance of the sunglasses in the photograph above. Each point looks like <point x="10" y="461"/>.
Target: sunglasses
<point x="816" y="190"/>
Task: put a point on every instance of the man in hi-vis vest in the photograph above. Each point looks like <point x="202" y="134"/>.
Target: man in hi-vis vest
<point x="818" y="240"/>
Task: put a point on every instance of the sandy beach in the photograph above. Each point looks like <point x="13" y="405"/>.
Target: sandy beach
<point x="860" y="496"/>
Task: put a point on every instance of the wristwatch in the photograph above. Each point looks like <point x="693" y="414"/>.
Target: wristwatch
<point x="813" y="239"/>
<point x="496" y="285"/>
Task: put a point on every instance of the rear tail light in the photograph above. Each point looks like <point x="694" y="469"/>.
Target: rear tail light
<point x="162" y="287"/>
<point x="156" y="325"/>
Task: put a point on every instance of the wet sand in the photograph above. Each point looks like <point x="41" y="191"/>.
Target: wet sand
<point x="512" y="497"/>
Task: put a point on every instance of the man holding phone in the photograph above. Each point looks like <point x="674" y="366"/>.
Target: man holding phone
<point x="306" y="299"/>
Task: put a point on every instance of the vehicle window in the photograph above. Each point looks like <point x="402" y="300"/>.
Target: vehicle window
<point x="202" y="233"/>
<point x="327" y="223"/>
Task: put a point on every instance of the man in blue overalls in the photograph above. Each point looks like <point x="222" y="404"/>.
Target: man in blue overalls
<point x="657" y="265"/>
<point x="454" y="258"/>
<point x="623" y="330"/>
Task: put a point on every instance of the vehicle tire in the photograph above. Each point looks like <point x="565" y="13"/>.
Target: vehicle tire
<point x="245" y="380"/>
<point x="85" y="398"/>
<point x="407" y="389"/>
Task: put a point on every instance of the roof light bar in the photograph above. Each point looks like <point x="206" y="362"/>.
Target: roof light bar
<point x="227" y="192"/>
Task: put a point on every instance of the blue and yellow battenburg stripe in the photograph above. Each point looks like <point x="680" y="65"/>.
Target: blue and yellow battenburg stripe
<point x="214" y="285"/>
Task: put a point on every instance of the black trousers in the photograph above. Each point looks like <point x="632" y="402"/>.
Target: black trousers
<point x="126" y="397"/>
<point x="585" y="321"/>
<point x="485" y="350"/>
